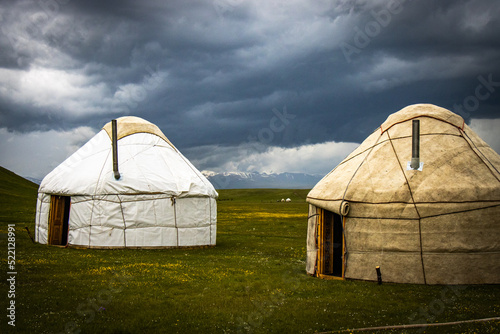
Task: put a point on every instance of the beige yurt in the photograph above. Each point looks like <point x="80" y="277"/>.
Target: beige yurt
<point x="419" y="199"/>
<point x="128" y="186"/>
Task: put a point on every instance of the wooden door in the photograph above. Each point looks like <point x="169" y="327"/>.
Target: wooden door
<point x="330" y="244"/>
<point x="325" y="244"/>
<point x="58" y="219"/>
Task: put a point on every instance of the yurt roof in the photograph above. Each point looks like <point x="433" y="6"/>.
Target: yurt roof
<point x="427" y="110"/>
<point x="148" y="164"/>
<point x="460" y="171"/>
<point x="130" y="125"/>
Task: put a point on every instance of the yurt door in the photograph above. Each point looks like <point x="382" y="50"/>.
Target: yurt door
<point x="58" y="219"/>
<point x="330" y="244"/>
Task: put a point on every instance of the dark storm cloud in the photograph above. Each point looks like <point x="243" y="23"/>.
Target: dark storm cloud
<point x="212" y="72"/>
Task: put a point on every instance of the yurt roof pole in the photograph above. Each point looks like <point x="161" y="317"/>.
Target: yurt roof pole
<point x="415" y="145"/>
<point x="114" y="140"/>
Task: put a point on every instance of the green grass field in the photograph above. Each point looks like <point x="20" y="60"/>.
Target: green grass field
<point x="253" y="281"/>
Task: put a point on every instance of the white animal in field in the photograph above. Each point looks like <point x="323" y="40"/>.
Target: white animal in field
<point x="288" y="200"/>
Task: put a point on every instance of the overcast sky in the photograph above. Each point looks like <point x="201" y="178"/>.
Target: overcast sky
<point x="239" y="85"/>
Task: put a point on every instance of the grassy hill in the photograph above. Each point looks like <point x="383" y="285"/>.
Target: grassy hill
<point x="253" y="281"/>
<point x="17" y="198"/>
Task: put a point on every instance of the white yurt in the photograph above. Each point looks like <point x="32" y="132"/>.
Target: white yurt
<point x="417" y="202"/>
<point x="128" y="186"/>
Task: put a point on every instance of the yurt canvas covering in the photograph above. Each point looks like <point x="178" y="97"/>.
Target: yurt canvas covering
<point x="159" y="200"/>
<point x="438" y="224"/>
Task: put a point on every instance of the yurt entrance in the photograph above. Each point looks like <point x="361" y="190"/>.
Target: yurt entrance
<point x="330" y="245"/>
<point x="58" y="219"/>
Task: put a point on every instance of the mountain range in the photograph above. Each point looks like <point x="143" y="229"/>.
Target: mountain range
<point x="242" y="180"/>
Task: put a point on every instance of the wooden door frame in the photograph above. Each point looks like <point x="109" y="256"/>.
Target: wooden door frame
<point x="320" y="264"/>
<point x="59" y="210"/>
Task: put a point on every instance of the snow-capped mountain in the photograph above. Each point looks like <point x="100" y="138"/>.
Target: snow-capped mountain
<point x="245" y="180"/>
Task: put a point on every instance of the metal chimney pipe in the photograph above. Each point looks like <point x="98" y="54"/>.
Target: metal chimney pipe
<point x="114" y="140"/>
<point x="415" y="145"/>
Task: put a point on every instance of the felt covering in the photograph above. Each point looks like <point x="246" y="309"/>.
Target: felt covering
<point x="440" y="225"/>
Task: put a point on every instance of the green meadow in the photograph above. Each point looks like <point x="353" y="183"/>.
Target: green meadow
<point x="253" y="281"/>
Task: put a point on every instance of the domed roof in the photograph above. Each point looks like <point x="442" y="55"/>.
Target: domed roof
<point x="427" y="110"/>
<point x="148" y="164"/>
<point x="460" y="171"/>
<point x="129" y="125"/>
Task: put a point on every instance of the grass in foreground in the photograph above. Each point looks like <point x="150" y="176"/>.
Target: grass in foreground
<point x="253" y="282"/>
